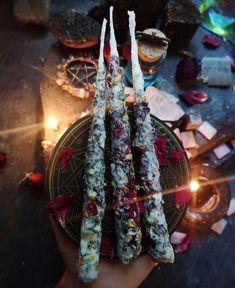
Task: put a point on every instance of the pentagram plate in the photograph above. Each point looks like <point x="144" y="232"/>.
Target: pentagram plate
<point x="70" y="179"/>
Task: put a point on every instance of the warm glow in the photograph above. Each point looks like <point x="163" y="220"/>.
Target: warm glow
<point x="52" y="123"/>
<point x="194" y="186"/>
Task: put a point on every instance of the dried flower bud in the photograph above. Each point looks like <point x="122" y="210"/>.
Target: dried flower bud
<point x="211" y="41"/>
<point x="194" y="97"/>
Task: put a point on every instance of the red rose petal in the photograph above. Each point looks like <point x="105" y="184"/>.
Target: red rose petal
<point x="211" y="41"/>
<point x="35" y="179"/>
<point x="60" y="206"/>
<point x="126" y="50"/>
<point x="194" y="97"/>
<point x="176" y="155"/>
<point x="160" y="149"/>
<point x="65" y="155"/>
<point x="106" y="246"/>
<point x="185" y="244"/>
<point x="187" y="70"/>
<point x="3" y="158"/>
<point x="182" y="195"/>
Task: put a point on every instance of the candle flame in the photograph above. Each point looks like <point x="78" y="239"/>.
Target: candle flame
<point x="52" y="123"/>
<point x="194" y="186"/>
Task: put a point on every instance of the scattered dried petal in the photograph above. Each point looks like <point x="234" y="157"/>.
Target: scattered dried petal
<point x="35" y="179"/>
<point x="59" y="207"/>
<point x="177" y="237"/>
<point x="233" y="64"/>
<point x="65" y="155"/>
<point x="184" y="246"/>
<point x="160" y="149"/>
<point x="97" y="13"/>
<point x="194" y="97"/>
<point x="187" y="70"/>
<point x="176" y="155"/>
<point x="211" y="41"/>
<point x="126" y="50"/>
<point x="3" y="158"/>
<point x="106" y="247"/>
<point x="182" y="195"/>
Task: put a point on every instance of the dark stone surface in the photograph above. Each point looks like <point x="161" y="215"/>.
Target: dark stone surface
<point x="28" y="251"/>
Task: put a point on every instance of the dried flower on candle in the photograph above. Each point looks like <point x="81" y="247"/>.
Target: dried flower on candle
<point x="59" y="207"/>
<point x="3" y="158"/>
<point x="65" y="155"/>
<point x="211" y="41"/>
<point x="194" y="97"/>
<point x="141" y="206"/>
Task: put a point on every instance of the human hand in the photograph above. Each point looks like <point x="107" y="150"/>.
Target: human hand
<point x="112" y="273"/>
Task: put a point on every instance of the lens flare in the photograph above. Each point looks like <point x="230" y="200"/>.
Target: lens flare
<point x="52" y="123"/>
<point x="194" y="186"/>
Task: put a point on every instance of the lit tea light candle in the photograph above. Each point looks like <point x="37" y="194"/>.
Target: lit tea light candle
<point x="53" y="124"/>
<point x="209" y="199"/>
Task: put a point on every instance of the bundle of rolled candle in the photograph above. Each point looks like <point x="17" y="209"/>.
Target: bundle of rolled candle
<point x="127" y="216"/>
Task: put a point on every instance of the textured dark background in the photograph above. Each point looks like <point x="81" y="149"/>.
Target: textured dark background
<point x="28" y="251"/>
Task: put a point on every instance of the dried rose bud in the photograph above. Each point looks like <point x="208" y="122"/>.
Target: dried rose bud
<point x="35" y="179"/>
<point x="211" y="41"/>
<point x="176" y="155"/>
<point x="106" y="247"/>
<point x="126" y="50"/>
<point x="3" y="158"/>
<point x="187" y="70"/>
<point x="66" y="154"/>
<point x="182" y="195"/>
<point x="185" y="244"/>
<point x="59" y="207"/>
<point x="194" y="97"/>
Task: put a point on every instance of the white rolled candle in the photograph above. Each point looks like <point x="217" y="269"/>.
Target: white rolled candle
<point x="137" y="75"/>
<point x="113" y="43"/>
<point x="101" y="66"/>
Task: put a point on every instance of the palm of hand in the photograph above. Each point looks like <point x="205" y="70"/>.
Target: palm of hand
<point x="112" y="273"/>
